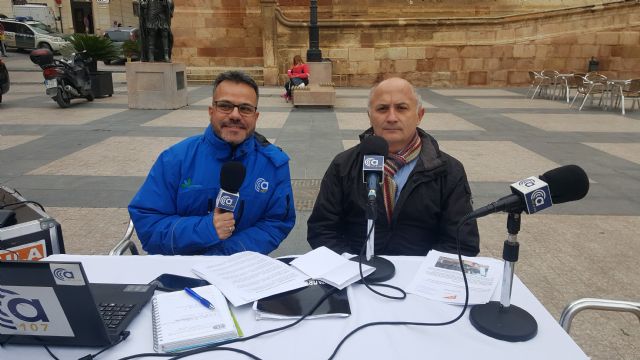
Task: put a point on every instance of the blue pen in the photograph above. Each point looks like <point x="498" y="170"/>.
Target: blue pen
<point x="200" y="299"/>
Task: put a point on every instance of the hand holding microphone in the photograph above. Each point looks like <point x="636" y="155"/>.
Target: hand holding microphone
<point x="231" y="177"/>
<point x="224" y="223"/>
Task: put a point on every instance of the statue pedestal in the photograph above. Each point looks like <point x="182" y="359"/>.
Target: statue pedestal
<point x="156" y="85"/>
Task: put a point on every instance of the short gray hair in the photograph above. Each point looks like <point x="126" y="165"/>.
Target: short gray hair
<point x="236" y="77"/>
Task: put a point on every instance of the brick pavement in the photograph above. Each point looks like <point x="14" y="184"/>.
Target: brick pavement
<point x="86" y="162"/>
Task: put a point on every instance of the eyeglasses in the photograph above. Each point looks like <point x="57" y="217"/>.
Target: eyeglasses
<point x="227" y="107"/>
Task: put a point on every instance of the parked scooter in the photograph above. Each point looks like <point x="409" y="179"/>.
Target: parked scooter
<point x="4" y="80"/>
<point x="64" y="79"/>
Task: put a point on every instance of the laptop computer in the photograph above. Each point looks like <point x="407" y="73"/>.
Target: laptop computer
<point x="53" y="303"/>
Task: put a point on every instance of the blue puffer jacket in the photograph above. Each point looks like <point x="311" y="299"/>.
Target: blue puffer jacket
<point x="171" y="210"/>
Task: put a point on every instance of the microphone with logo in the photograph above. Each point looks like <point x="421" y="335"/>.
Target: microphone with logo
<point x="501" y="320"/>
<point x="374" y="148"/>
<point x="231" y="177"/>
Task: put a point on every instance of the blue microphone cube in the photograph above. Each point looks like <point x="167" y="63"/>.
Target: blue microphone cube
<point x="227" y="201"/>
<point x="536" y="194"/>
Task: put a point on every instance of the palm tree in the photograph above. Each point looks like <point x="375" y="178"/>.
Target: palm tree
<point x="96" y="47"/>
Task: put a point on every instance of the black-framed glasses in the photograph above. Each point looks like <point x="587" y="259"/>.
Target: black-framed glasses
<point x="227" y="107"/>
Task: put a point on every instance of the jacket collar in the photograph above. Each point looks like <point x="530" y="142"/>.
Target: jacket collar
<point x="224" y="150"/>
<point x="430" y="156"/>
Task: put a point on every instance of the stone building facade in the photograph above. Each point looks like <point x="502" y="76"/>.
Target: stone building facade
<point x="100" y="13"/>
<point x="433" y="43"/>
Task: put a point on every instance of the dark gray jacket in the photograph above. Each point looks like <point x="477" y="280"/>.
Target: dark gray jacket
<point x="435" y="197"/>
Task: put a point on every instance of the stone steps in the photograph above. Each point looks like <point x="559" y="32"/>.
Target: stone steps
<point x="206" y="75"/>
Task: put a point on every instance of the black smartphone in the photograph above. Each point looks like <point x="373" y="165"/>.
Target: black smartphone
<point x="172" y="282"/>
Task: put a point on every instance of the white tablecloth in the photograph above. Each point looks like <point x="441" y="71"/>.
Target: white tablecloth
<point x="316" y="339"/>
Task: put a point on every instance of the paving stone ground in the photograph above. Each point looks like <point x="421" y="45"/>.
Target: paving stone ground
<point x="86" y="162"/>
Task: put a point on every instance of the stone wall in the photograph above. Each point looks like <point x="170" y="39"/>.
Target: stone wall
<point x="351" y="9"/>
<point x="479" y="51"/>
<point x="374" y="39"/>
<point x="218" y="32"/>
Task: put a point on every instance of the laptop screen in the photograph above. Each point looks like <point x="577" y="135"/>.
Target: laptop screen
<point x="53" y="303"/>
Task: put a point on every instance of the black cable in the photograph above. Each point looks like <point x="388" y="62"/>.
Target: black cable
<point x="242" y="339"/>
<point x="369" y="285"/>
<point x="2" y="248"/>
<point x="218" y="346"/>
<point x="50" y="353"/>
<point x="123" y="336"/>
<point x="464" y="308"/>
<point x="13" y="191"/>
<point x="23" y="202"/>
<point x="248" y="354"/>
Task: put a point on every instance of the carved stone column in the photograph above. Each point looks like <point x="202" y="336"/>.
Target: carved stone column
<point x="269" y="41"/>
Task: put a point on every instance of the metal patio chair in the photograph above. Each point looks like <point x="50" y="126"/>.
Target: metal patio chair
<point x="536" y="80"/>
<point x="549" y="84"/>
<point x="126" y="244"/>
<point x="573" y="308"/>
<point x="628" y="90"/>
<point x="589" y="85"/>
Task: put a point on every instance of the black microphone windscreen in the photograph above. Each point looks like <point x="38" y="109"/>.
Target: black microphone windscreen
<point x="566" y="183"/>
<point x="375" y="145"/>
<point x="231" y="176"/>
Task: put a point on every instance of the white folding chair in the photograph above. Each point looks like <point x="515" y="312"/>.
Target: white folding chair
<point x="126" y="243"/>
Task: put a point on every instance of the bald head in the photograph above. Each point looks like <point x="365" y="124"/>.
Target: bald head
<point x="395" y="84"/>
<point x="395" y="111"/>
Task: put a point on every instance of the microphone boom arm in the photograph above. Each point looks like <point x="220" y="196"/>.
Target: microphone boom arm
<point x="510" y="256"/>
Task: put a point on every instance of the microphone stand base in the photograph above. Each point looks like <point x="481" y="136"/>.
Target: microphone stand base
<point x="503" y="323"/>
<point x="385" y="269"/>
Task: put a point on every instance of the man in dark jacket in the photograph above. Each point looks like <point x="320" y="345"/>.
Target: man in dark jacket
<point x="425" y="191"/>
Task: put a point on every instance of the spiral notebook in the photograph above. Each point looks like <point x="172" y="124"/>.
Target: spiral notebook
<point x="181" y="323"/>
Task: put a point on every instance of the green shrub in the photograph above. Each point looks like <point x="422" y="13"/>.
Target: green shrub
<point x="97" y="47"/>
<point x="131" y="47"/>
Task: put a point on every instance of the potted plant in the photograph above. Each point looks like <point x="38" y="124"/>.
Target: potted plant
<point x="131" y="49"/>
<point x="99" y="49"/>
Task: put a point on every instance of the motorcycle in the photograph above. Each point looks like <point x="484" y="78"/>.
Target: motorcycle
<point x="4" y="80"/>
<point x="64" y="79"/>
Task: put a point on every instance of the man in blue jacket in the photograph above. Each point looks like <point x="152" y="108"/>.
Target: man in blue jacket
<point x="172" y="212"/>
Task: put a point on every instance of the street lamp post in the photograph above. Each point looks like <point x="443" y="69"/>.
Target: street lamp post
<point x="313" y="53"/>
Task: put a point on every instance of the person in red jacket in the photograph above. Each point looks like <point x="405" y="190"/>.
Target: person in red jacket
<point x="298" y="74"/>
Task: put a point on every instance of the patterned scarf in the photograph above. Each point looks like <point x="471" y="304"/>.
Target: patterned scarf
<point x="392" y="164"/>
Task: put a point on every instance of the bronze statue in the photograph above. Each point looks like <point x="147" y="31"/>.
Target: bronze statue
<point x="155" y="30"/>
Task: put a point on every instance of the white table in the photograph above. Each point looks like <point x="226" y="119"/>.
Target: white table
<point x="316" y="339"/>
<point x="563" y="81"/>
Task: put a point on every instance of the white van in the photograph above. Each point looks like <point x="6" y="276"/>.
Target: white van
<point x="27" y="34"/>
<point x="41" y="13"/>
